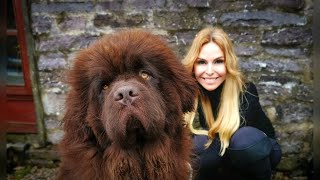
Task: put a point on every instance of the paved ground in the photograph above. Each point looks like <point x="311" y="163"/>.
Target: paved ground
<point x="33" y="173"/>
<point x="43" y="173"/>
<point x="32" y="164"/>
<point x="42" y="164"/>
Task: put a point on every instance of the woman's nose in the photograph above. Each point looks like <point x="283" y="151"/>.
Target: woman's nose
<point x="209" y="69"/>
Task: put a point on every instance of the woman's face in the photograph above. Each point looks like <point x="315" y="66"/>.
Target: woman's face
<point x="209" y="68"/>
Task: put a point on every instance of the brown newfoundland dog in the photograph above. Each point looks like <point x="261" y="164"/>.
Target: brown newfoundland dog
<point x="124" y="117"/>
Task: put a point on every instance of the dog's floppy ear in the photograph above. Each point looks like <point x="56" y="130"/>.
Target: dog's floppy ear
<point x="78" y="99"/>
<point x="186" y="86"/>
<point x="77" y="102"/>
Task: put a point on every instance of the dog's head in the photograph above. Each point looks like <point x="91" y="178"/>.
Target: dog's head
<point x="129" y="87"/>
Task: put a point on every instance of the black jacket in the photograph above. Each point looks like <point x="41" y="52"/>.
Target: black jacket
<point x="250" y="109"/>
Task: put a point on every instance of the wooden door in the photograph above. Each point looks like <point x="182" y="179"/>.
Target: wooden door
<point x="20" y="113"/>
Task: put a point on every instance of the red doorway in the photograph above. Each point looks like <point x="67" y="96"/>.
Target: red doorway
<point x="19" y="114"/>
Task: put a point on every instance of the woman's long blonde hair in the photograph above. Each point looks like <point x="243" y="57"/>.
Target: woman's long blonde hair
<point x="228" y="117"/>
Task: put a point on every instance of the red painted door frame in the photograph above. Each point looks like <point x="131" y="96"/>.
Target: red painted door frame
<point x="20" y="115"/>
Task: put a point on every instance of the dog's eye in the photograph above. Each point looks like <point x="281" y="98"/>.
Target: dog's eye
<point x="144" y="75"/>
<point x="105" y="87"/>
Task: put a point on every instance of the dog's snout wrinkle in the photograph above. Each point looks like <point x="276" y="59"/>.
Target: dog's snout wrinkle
<point x="126" y="94"/>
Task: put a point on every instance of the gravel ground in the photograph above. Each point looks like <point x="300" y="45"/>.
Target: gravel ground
<point x="43" y="173"/>
<point x="32" y="164"/>
<point x="33" y="173"/>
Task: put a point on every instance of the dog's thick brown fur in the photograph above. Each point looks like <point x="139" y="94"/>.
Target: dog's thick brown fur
<point x="125" y="111"/>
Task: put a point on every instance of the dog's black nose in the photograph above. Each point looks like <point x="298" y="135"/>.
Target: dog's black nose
<point x="126" y="94"/>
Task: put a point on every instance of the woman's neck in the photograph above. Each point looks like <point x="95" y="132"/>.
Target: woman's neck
<point x="214" y="94"/>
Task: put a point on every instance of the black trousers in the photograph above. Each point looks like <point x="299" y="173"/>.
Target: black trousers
<point x="250" y="155"/>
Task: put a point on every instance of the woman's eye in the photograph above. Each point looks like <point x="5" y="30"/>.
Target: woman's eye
<point x="200" y="61"/>
<point x="144" y="75"/>
<point x="219" y="61"/>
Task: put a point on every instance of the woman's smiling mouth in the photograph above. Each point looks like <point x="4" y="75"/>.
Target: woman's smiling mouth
<point x="210" y="80"/>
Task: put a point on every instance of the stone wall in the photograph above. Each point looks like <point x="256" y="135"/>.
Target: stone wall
<point x="272" y="39"/>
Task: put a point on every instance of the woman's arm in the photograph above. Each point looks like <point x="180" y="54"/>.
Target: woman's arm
<point x="253" y="113"/>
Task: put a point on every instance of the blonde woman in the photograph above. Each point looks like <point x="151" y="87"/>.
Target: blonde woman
<point x="236" y="138"/>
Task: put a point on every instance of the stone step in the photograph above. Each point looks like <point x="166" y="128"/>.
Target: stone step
<point x="22" y="154"/>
